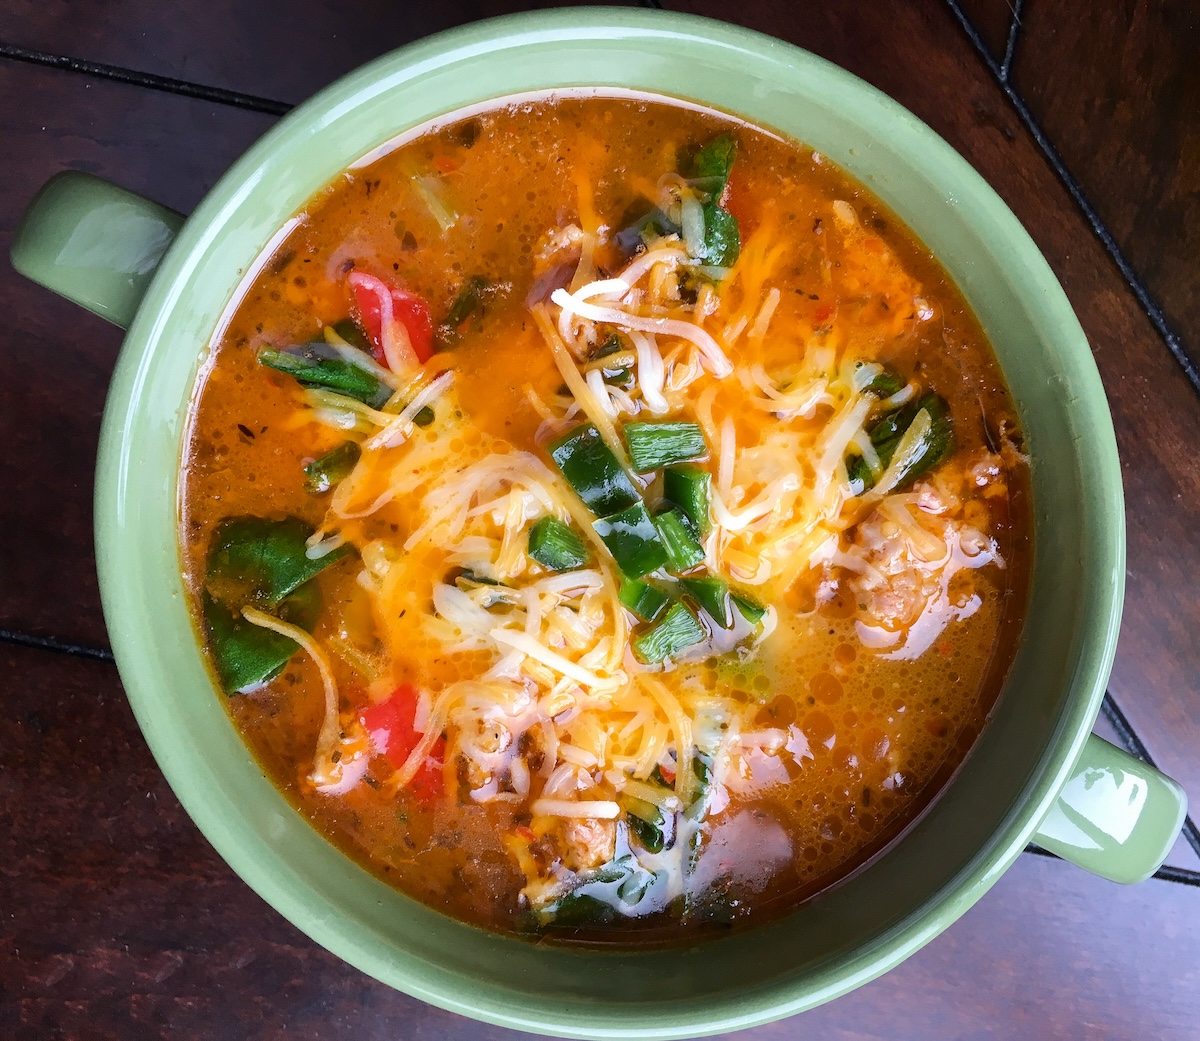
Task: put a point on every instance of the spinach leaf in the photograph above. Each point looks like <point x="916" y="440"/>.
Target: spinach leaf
<point x="261" y="562"/>
<point x="885" y="384"/>
<point x="471" y="302"/>
<point x="722" y="237"/>
<point x="937" y="445"/>
<point x="578" y="909"/>
<point x="859" y="474"/>
<point x="711" y="166"/>
<point x="702" y="769"/>
<point x="638" y="230"/>
<point x="248" y="655"/>
<point x="709" y="173"/>
<point x="648" y="833"/>
<point x="615" y="891"/>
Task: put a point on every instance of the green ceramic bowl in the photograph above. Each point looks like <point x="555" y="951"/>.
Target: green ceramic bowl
<point x="1034" y="772"/>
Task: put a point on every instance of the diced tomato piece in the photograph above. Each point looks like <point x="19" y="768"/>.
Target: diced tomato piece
<point x="389" y="724"/>
<point x="414" y="313"/>
<point x="407" y="308"/>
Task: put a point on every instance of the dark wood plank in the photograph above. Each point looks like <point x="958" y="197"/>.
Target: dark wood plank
<point x="57" y="357"/>
<point x="271" y="48"/>
<point x="993" y="20"/>
<point x="1155" y="409"/>
<point x="1116" y="87"/>
<point x="121" y="923"/>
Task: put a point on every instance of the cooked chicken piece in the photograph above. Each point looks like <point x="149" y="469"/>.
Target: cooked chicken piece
<point x="587" y="844"/>
<point x="895" y="581"/>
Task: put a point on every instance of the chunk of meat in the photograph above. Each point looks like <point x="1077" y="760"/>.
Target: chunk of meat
<point x="987" y="471"/>
<point x="555" y="262"/>
<point x="558" y="246"/>
<point x="587" y="844"/>
<point x="908" y="570"/>
<point x="890" y="579"/>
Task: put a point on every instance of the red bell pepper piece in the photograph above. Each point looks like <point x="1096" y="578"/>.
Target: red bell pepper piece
<point x="389" y="724"/>
<point x="370" y="297"/>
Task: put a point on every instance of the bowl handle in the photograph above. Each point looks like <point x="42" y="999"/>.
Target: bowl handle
<point x="94" y="243"/>
<point x="1116" y="817"/>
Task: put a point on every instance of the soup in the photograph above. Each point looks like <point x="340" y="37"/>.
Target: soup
<point x="606" y="521"/>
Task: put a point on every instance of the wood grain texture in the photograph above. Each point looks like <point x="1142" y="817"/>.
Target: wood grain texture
<point x="58" y="358"/>
<point x="271" y="48"/>
<point x="1116" y="88"/>
<point x="122" y="924"/>
<point x="993" y="19"/>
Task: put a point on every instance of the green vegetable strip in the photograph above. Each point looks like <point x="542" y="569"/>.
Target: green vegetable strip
<point x="859" y="474"/>
<point x="432" y="191"/>
<point x="683" y="551"/>
<point x="709" y="173"/>
<point x="654" y="445"/>
<point x="885" y="384"/>
<point x="712" y="594"/>
<point x="593" y="472"/>
<point x="678" y="630"/>
<point x="555" y="546"/>
<point x="322" y="474"/>
<point x="703" y="772"/>
<point x="468" y="302"/>
<point x="751" y="611"/>
<point x="644" y="600"/>
<point x="711" y="166"/>
<point x="352" y="334"/>
<point x="688" y="487"/>
<point x="939" y="442"/>
<point x="633" y="540"/>
<point x="310" y="369"/>
<point x="611" y="345"/>
<point x="722" y="237"/>
<point x="646" y="821"/>
<point x="886" y="434"/>
<point x="649" y="834"/>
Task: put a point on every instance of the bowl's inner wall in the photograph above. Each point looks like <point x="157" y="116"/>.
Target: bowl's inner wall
<point x="837" y="940"/>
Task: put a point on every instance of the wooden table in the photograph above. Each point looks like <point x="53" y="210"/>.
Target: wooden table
<point x="116" y="918"/>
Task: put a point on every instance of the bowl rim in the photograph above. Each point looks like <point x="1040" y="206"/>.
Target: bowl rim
<point x="118" y="459"/>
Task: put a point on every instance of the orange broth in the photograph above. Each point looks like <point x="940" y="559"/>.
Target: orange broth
<point x="810" y="746"/>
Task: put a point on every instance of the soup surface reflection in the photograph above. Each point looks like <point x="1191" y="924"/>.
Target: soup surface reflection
<point x="606" y="520"/>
